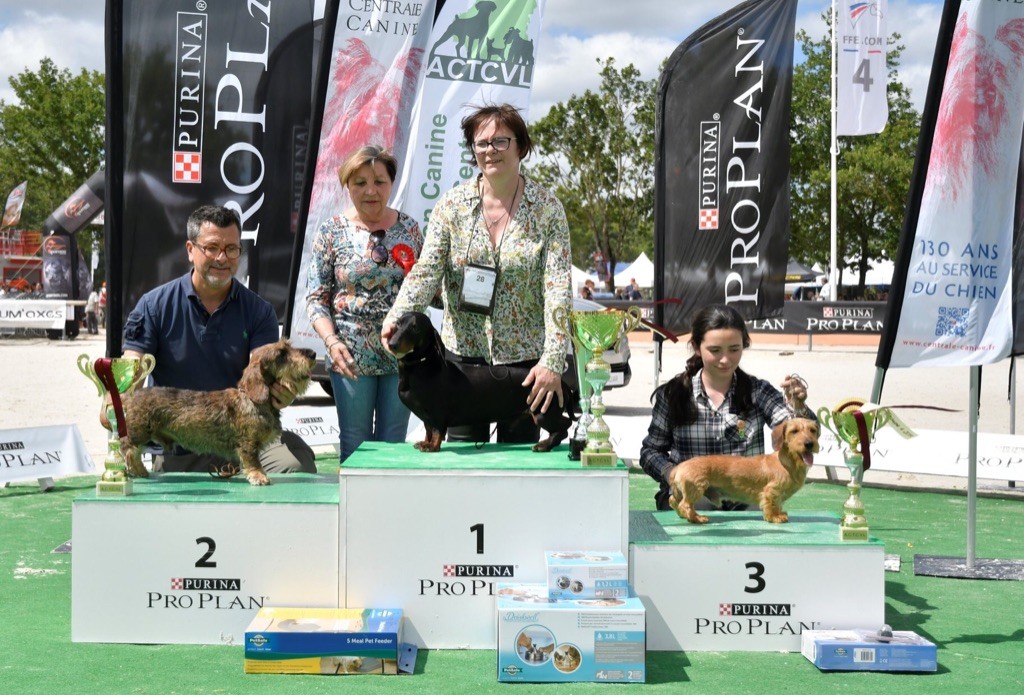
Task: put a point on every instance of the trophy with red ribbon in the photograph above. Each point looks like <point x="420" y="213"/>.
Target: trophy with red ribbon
<point x="117" y="377"/>
<point x="854" y="423"/>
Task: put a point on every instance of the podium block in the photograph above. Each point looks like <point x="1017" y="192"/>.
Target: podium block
<point x="739" y="583"/>
<point x="191" y="560"/>
<point x="433" y="533"/>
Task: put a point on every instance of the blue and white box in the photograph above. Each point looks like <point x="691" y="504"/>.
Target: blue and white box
<point x="864" y="650"/>
<point x="541" y="639"/>
<point x="586" y="574"/>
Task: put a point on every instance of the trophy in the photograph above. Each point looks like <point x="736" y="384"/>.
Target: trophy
<point x="593" y="332"/>
<point x="854" y="424"/>
<point x="117" y="377"/>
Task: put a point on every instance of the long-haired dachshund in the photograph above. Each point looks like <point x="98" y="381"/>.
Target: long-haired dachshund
<point x="767" y="480"/>
<point x="447" y="394"/>
<point x="235" y="424"/>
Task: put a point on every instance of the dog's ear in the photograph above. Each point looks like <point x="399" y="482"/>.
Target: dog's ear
<point x="255" y="382"/>
<point x="778" y="434"/>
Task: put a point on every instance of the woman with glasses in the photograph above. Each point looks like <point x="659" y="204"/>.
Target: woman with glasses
<point x="359" y="260"/>
<point x="498" y="252"/>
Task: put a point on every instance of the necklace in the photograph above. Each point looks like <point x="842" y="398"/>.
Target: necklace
<point x="505" y="212"/>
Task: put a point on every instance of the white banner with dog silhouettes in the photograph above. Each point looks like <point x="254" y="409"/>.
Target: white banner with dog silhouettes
<point x="33" y="453"/>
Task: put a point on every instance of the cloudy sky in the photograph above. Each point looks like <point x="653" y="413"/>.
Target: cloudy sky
<point x="576" y="33"/>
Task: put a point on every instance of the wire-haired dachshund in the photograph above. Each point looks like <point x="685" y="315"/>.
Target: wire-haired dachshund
<point x="447" y="394"/>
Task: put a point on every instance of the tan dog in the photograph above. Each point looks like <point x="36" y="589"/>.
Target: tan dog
<point x="767" y="480"/>
<point x="235" y="424"/>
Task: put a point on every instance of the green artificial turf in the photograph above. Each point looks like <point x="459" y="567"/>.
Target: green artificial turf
<point x="977" y="625"/>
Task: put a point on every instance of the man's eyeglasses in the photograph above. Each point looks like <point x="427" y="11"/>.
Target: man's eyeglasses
<point x="378" y="252"/>
<point x="214" y="251"/>
<point x="499" y="144"/>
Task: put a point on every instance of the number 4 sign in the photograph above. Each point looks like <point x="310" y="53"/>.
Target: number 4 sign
<point x="861" y="74"/>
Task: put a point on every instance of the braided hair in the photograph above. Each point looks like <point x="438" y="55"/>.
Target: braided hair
<point x="678" y="391"/>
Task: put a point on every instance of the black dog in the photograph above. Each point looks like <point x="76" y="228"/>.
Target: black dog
<point x="446" y="394"/>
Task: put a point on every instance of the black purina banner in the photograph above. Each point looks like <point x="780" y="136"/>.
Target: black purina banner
<point x="208" y="103"/>
<point x="823" y="318"/>
<point x="722" y="165"/>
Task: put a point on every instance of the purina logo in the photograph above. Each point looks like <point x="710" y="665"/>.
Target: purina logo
<point x="710" y="149"/>
<point x="203" y="584"/>
<point x="189" y="98"/>
<point x="466" y="580"/>
<point x="758" y="609"/>
<point x="478" y="571"/>
<point x="859" y="9"/>
<point x="486" y="45"/>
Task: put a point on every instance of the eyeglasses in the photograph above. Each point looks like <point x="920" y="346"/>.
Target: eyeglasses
<point x="378" y="252"/>
<point x="214" y="251"/>
<point x="499" y="144"/>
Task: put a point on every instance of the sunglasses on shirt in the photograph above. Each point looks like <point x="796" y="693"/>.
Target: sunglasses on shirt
<point x="378" y="251"/>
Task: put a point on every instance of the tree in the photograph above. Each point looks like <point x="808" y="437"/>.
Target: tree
<point x="872" y="171"/>
<point x="53" y="139"/>
<point x="597" y="154"/>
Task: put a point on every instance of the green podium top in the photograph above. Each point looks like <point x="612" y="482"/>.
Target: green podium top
<point x="738" y="528"/>
<point x="176" y="488"/>
<point x="465" y="456"/>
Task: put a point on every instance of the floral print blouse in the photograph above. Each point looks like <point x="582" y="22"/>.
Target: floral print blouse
<point x="534" y="271"/>
<point x="347" y="286"/>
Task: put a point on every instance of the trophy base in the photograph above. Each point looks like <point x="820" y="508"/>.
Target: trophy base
<point x="114" y="488"/>
<point x="853" y="533"/>
<point x="606" y="459"/>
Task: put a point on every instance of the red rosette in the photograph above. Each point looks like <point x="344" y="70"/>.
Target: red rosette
<point x="404" y="256"/>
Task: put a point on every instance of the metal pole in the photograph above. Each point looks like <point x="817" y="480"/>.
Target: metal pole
<point x="833" y="276"/>
<point x="972" y="464"/>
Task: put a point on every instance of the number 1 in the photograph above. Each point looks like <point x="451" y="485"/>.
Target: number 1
<point x="478" y="529"/>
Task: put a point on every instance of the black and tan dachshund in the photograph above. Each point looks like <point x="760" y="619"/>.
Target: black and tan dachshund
<point x="446" y="394"/>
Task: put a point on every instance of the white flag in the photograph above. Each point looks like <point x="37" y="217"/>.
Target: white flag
<point x="15" y="201"/>
<point x="861" y="75"/>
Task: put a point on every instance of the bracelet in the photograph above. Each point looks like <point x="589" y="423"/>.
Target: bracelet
<point x="327" y="344"/>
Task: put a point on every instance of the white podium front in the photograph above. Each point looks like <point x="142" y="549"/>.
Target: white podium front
<point x="190" y="560"/>
<point x="433" y="533"/>
<point x="739" y="583"/>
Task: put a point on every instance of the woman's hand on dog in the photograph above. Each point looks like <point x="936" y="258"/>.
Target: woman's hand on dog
<point x="281" y="395"/>
<point x="341" y="360"/>
<point x="544" y="385"/>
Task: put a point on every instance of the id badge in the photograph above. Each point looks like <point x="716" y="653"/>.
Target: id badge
<point x="478" y="283"/>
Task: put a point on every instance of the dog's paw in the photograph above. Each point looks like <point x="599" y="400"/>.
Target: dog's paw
<point x="257" y="478"/>
<point x="427" y="447"/>
<point x="780" y="518"/>
<point x="697" y="519"/>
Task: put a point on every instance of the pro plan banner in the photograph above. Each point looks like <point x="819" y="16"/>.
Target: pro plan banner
<point x="722" y="165"/>
<point x="376" y="65"/>
<point x="209" y="103"/>
<point x="480" y="52"/>
<point x="955" y="267"/>
<point x="861" y="73"/>
<point x="824" y="318"/>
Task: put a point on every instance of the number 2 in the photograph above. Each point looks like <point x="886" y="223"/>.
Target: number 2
<point x="211" y="545"/>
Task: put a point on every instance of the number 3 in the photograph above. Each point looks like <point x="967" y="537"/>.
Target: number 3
<point x="756" y="572"/>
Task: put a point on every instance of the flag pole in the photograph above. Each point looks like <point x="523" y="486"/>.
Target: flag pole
<point x="833" y="277"/>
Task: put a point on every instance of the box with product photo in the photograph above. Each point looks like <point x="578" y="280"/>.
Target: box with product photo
<point x="865" y="650"/>
<point x="586" y="574"/>
<point x="327" y="641"/>
<point x="541" y="639"/>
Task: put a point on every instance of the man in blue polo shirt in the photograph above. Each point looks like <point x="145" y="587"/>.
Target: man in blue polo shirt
<point x="201" y="329"/>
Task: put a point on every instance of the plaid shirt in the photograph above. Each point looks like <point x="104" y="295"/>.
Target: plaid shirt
<point x="720" y="430"/>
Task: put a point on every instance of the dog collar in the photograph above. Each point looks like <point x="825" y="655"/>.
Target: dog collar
<point x="406" y="361"/>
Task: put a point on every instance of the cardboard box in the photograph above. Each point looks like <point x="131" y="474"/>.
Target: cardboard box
<point x="541" y="639"/>
<point x="862" y="650"/>
<point x="587" y="574"/>
<point x="329" y="641"/>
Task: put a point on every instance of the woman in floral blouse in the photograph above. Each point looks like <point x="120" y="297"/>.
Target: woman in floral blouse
<point x="714" y="407"/>
<point x="359" y="261"/>
<point x="497" y="248"/>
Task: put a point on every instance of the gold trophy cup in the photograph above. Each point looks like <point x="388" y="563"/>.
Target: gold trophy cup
<point x="854" y="424"/>
<point x="118" y="377"/>
<point x="592" y="333"/>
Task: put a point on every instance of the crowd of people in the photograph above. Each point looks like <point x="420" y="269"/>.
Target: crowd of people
<point x="495" y="255"/>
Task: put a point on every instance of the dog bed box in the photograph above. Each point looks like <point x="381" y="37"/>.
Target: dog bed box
<point x="541" y="639"/>
<point x="862" y="650"/>
<point x="586" y="574"/>
<point x="329" y="641"/>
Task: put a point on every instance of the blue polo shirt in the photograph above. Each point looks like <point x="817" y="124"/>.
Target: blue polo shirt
<point x="193" y="348"/>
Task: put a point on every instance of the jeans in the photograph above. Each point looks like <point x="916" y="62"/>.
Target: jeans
<point x="369" y="410"/>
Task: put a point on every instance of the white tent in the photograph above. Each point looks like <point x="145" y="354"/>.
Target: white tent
<point x="642" y="269"/>
<point x="579" y="277"/>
